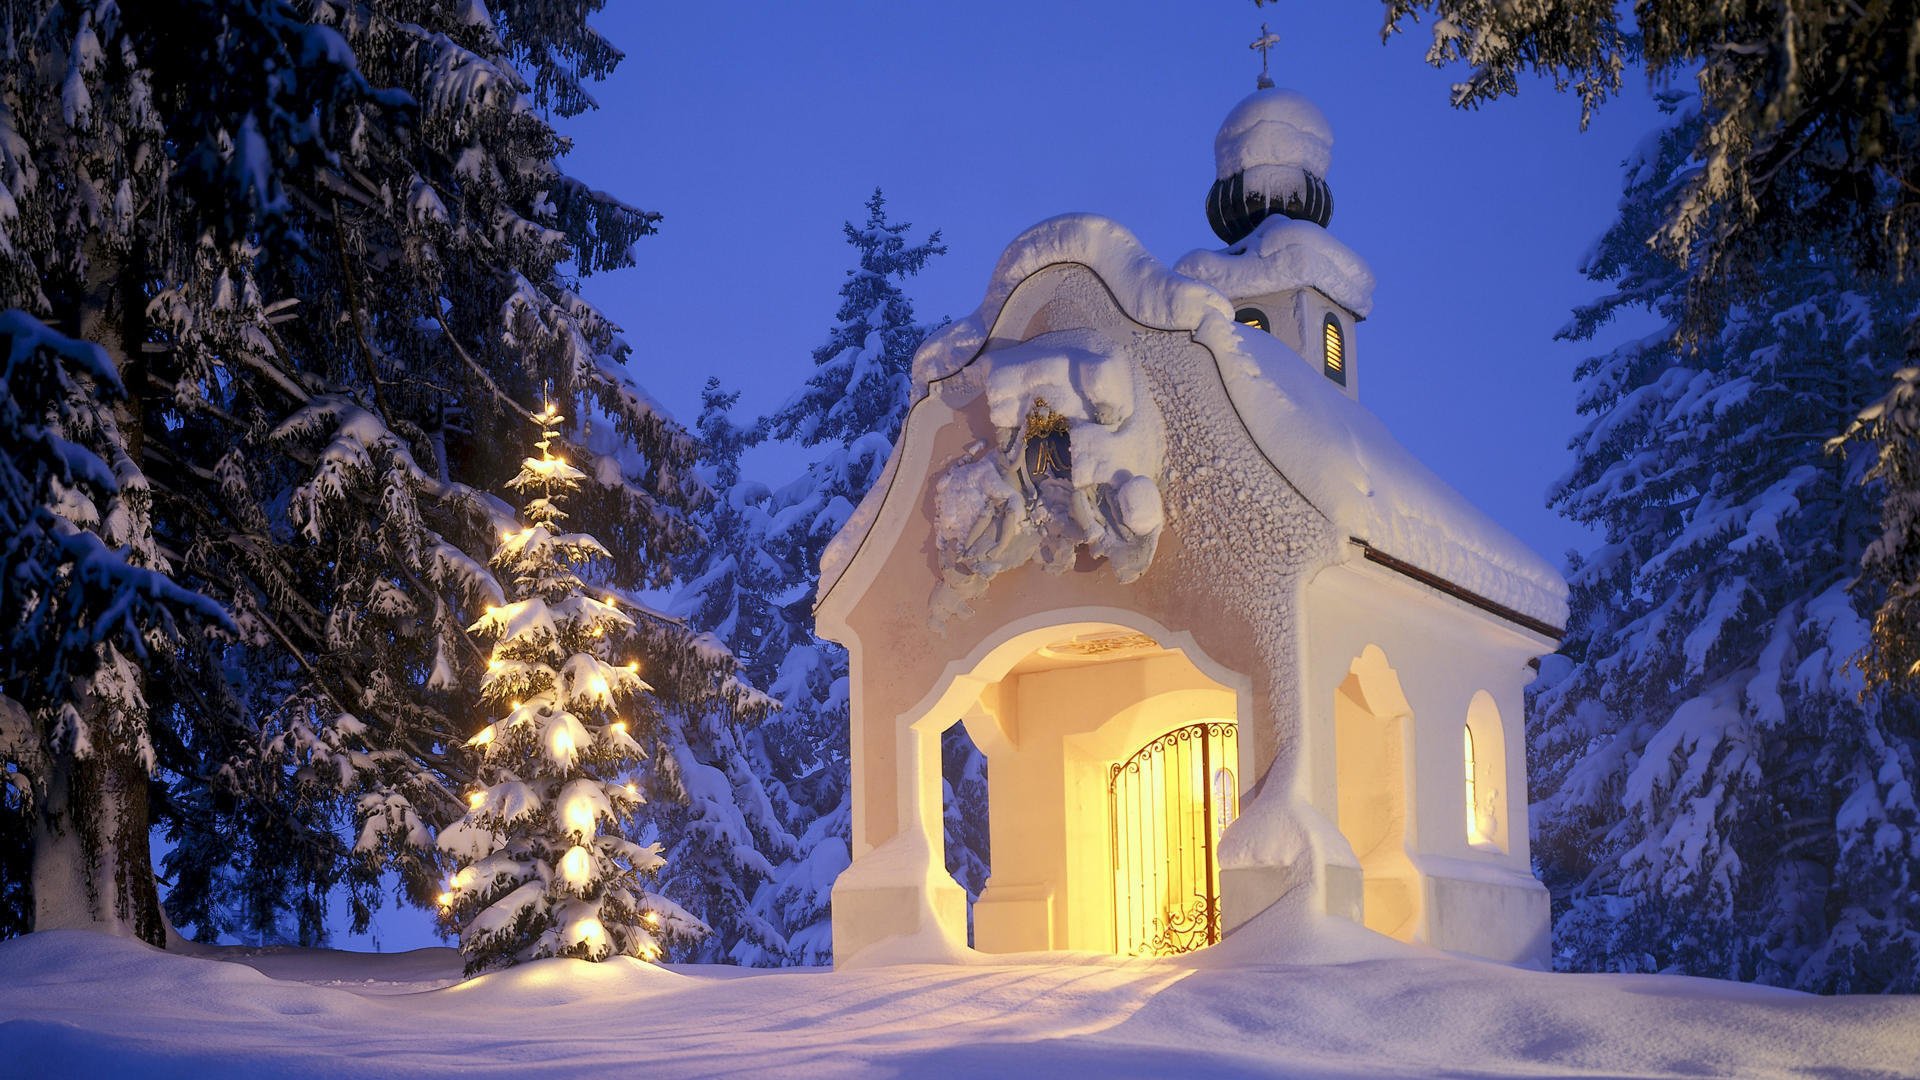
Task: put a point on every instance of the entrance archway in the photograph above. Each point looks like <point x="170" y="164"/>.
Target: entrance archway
<point x="1058" y="713"/>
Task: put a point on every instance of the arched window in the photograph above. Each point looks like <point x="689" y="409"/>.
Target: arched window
<point x="1336" y="350"/>
<point x="1252" y="316"/>
<point x="1474" y="832"/>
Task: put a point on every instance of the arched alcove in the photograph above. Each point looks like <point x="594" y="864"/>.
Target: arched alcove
<point x="1371" y="728"/>
<point x="1485" y="819"/>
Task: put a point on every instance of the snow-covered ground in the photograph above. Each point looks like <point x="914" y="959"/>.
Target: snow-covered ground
<point x="74" y="1004"/>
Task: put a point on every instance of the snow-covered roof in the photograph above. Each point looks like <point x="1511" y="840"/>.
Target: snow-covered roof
<point x="1276" y="126"/>
<point x="1285" y="254"/>
<point x="1333" y="449"/>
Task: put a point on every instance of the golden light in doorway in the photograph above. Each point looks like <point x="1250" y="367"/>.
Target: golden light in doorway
<point x="1106" y="645"/>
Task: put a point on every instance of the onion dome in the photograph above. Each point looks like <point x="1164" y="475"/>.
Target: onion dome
<point x="1270" y="157"/>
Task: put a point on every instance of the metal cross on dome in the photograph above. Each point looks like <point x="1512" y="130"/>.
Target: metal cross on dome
<point x="1262" y="45"/>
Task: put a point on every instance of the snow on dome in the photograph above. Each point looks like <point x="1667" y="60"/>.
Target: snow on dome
<point x="1273" y="127"/>
<point x="1270" y="158"/>
<point x="1284" y="254"/>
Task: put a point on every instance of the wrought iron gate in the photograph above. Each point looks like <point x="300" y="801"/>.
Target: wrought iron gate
<point x="1167" y="805"/>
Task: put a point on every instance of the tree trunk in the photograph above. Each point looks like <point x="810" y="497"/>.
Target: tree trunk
<point x="92" y="864"/>
<point x="92" y="868"/>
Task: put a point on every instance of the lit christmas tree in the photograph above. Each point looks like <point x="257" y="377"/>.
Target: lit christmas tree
<point x="543" y="869"/>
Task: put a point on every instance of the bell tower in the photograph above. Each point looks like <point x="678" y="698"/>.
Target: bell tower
<point x="1270" y="204"/>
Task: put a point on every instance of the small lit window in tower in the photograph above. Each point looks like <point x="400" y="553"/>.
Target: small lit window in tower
<point x="1252" y="316"/>
<point x="1336" y="349"/>
<point x="1048" y="451"/>
<point x="1473" y="792"/>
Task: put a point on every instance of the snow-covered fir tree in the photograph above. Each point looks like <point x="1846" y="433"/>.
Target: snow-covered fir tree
<point x="543" y="867"/>
<point x="331" y="283"/>
<point x="1717" y="790"/>
<point x="1807" y="114"/>
<point x="722" y="830"/>
<point x="853" y="404"/>
<point x="862" y="374"/>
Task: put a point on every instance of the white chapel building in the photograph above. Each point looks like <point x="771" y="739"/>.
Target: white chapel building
<point x="1220" y="638"/>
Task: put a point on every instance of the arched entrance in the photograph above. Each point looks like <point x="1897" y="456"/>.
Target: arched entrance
<point x="1066" y="715"/>
<point x="1167" y="806"/>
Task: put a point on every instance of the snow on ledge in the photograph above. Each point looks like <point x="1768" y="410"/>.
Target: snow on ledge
<point x="1284" y="254"/>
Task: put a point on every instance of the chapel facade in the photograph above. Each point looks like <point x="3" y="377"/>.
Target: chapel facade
<point x="1219" y="637"/>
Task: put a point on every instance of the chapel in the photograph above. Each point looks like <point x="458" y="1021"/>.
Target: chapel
<point x="1219" y="637"/>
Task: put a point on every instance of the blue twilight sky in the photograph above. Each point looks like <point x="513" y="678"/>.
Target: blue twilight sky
<point x="758" y="128"/>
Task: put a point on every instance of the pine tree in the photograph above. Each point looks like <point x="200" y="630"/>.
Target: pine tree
<point x="543" y="870"/>
<point x="854" y="403"/>
<point x="864" y="371"/>
<point x="1809" y="119"/>
<point x="721" y="828"/>
<point x="329" y="281"/>
<point x="1716" y="790"/>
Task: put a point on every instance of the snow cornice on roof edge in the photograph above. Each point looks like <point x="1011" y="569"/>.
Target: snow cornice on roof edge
<point x="1146" y="290"/>
<point x="1335" y="451"/>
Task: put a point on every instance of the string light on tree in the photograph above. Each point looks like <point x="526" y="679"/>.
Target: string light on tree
<point x="544" y="868"/>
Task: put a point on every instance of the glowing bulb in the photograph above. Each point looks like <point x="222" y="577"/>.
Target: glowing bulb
<point x="516" y="706"/>
<point x="573" y="865"/>
<point x="462" y="879"/>
<point x="580" y="817"/>
<point x="651" y="918"/>
<point x="589" y="932"/>
<point x="649" y="952"/>
<point x="620" y="727"/>
<point x="506" y="533"/>
<point x="493" y="663"/>
<point x="599" y="685"/>
<point x="562" y="743"/>
<point x="611" y="601"/>
<point x="446" y="899"/>
<point x="633" y="789"/>
<point x="633" y="666"/>
<point x="476" y="799"/>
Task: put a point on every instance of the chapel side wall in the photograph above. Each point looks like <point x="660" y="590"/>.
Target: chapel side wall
<point x="1228" y="570"/>
<point x="1476" y="898"/>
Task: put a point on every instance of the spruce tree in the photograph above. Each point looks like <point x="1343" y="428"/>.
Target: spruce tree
<point x="863" y="373"/>
<point x="721" y="828"/>
<point x="853" y="404"/>
<point x="1809" y="119"/>
<point x="1716" y="789"/>
<point x="543" y="868"/>
<point x="332" y="282"/>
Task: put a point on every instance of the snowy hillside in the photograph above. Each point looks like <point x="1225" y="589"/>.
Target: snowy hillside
<point x="84" y="1005"/>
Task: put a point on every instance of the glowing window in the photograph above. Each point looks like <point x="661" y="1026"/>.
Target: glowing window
<point x="1252" y="316"/>
<point x="1473" y="791"/>
<point x="1336" y="350"/>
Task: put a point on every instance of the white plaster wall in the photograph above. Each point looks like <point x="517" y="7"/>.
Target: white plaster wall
<point x="1476" y="898"/>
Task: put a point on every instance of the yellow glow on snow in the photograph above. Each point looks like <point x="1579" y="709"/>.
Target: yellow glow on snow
<point x="482" y="739"/>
